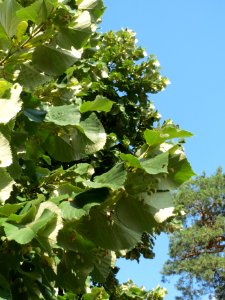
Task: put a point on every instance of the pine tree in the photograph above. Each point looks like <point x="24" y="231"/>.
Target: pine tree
<point x="197" y="251"/>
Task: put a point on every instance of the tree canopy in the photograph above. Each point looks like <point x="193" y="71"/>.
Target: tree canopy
<point x="86" y="166"/>
<point x="197" y="251"/>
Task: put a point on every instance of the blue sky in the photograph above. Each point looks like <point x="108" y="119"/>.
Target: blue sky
<point x="187" y="37"/>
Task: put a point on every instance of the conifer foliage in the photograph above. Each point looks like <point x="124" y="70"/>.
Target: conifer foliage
<point x="197" y="251"/>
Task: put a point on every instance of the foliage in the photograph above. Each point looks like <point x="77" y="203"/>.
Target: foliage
<point x="125" y="291"/>
<point x="86" y="168"/>
<point x="197" y="251"/>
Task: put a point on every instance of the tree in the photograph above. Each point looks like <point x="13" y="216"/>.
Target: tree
<point x="86" y="168"/>
<point x="197" y="251"/>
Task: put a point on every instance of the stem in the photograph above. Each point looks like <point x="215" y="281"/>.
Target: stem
<point x="144" y="153"/>
<point x="32" y="36"/>
<point x="38" y="29"/>
<point x="20" y="47"/>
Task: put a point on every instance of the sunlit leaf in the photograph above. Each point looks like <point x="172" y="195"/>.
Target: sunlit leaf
<point x="87" y="4"/>
<point x="142" y="215"/>
<point x="4" y="39"/>
<point x="8" y="209"/>
<point x="161" y="204"/>
<point x="131" y="160"/>
<point x="51" y="230"/>
<point x="95" y="293"/>
<point x="113" y="179"/>
<point x="10" y="107"/>
<point x="156" y="165"/>
<point x="181" y="170"/>
<point x="155" y="137"/>
<point x="4" y="86"/>
<point x="5" y="152"/>
<point x="37" y="12"/>
<point x="99" y="104"/>
<point x="63" y="115"/>
<point x="83" y="21"/>
<point x="70" y="212"/>
<point x="21" y="30"/>
<point x="23" y="234"/>
<point x="8" y="18"/>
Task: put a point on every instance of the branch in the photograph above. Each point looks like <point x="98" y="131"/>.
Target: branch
<point x="213" y="247"/>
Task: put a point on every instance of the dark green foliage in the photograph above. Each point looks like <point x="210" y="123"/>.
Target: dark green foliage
<point x="86" y="168"/>
<point x="197" y="251"/>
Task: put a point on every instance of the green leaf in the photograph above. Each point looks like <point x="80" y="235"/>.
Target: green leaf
<point x="70" y="239"/>
<point x="83" y="21"/>
<point x="36" y="79"/>
<point x="95" y="133"/>
<point x="4" y="85"/>
<point x="108" y="234"/>
<point x="84" y="169"/>
<point x="6" y="185"/>
<point x="8" y="209"/>
<point x="21" y="235"/>
<point x="5" y="41"/>
<point x="70" y="211"/>
<point x="67" y="189"/>
<point x="113" y="179"/>
<point x="181" y="169"/>
<point x="135" y="214"/>
<point x="54" y="60"/>
<point x="10" y="107"/>
<point x="131" y="160"/>
<point x="24" y="234"/>
<point x="52" y="225"/>
<point x="63" y="115"/>
<point x="76" y="143"/>
<point x="166" y="183"/>
<point x="5" y="152"/>
<point x="144" y="213"/>
<point x="96" y="293"/>
<point x="37" y="12"/>
<point x="87" y="4"/>
<point x="156" y="137"/>
<point x="138" y="181"/>
<point x="73" y="270"/>
<point x="103" y="265"/>
<point x="161" y="204"/>
<point x="26" y="215"/>
<point x="21" y="30"/>
<point x="99" y="104"/>
<point x="67" y="37"/>
<point x="8" y="18"/>
<point x="104" y="228"/>
<point x="156" y="165"/>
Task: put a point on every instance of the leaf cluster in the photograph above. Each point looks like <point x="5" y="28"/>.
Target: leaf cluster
<point x="86" y="175"/>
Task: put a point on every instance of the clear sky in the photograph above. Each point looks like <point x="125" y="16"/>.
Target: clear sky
<point x="188" y="39"/>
